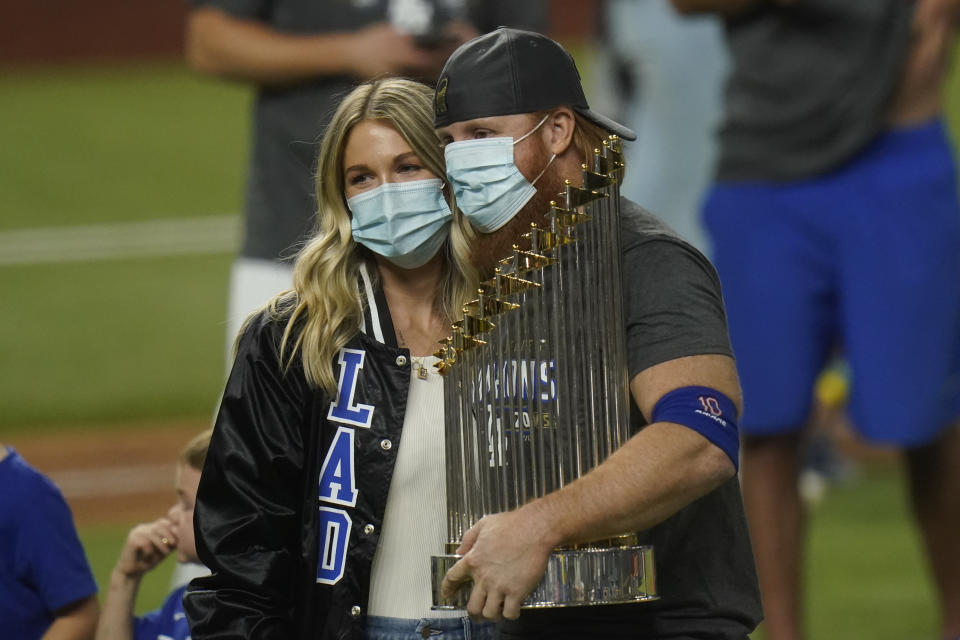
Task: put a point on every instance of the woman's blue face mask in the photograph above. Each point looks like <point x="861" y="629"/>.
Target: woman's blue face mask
<point x="405" y="222"/>
<point x="488" y="186"/>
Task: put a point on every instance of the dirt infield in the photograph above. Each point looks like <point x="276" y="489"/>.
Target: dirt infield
<point x="115" y="475"/>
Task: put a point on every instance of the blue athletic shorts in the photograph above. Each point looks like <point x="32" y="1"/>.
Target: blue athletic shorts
<point x="866" y="257"/>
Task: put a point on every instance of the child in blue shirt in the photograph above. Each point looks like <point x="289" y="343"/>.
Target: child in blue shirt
<point x="146" y="546"/>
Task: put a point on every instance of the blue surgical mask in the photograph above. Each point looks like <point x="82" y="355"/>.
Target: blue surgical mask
<point x="405" y="222"/>
<point x="488" y="186"/>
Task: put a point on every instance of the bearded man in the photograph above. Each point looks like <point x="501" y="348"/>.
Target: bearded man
<point x="512" y="112"/>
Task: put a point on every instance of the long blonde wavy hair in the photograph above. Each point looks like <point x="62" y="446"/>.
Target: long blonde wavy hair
<point x="324" y="299"/>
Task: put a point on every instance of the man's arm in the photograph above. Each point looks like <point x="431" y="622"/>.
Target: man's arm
<point x="77" y="621"/>
<point x="660" y="470"/>
<point x="245" y="49"/>
<point x="919" y="96"/>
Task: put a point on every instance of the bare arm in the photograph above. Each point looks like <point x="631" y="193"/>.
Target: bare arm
<point x="221" y="44"/>
<point x="75" y="622"/>
<point x="146" y="546"/>
<point x="919" y="95"/>
<point x="657" y="472"/>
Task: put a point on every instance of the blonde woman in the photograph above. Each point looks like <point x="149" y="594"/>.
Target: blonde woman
<point x="322" y="496"/>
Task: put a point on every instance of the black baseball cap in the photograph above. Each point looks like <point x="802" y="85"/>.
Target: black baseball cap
<point x="509" y="71"/>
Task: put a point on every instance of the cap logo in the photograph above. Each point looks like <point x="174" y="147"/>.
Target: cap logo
<point x="440" y="100"/>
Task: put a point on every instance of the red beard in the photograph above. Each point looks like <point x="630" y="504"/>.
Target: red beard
<point x="490" y="248"/>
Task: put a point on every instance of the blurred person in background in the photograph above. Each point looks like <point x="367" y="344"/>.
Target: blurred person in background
<point x="146" y="547"/>
<point x="671" y="73"/>
<point x="46" y="588"/>
<point x="303" y="57"/>
<point x="835" y="219"/>
<point x="316" y="517"/>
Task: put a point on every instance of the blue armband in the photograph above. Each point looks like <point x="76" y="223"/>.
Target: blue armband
<point x="706" y="411"/>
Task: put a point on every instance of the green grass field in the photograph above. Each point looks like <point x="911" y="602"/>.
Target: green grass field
<point x="867" y="577"/>
<point x="86" y="344"/>
<point x="110" y="144"/>
<point x="115" y="340"/>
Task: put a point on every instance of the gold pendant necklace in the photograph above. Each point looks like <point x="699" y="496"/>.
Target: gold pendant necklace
<point x="421" y="369"/>
<point x="416" y="363"/>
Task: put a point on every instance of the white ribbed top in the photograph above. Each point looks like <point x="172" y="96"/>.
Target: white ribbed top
<point x="414" y="525"/>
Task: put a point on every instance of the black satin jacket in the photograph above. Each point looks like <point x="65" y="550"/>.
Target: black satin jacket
<point x="260" y="505"/>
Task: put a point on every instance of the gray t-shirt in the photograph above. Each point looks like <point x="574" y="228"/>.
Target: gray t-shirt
<point x="811" y="85"/>
<point x="289" y="122"/>
<point x="705" y="573"/>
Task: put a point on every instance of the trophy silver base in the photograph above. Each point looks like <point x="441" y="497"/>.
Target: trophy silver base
<point x="573" y="578"/>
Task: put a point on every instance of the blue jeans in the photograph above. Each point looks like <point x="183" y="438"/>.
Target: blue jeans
<point x="380" y="628"/>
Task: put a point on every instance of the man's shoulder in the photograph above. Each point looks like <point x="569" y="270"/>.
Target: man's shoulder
<point x="639" y="225"/>
<point x="641" y="229"/>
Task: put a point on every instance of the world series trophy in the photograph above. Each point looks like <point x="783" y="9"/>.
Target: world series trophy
<point x="536" y="391"/>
